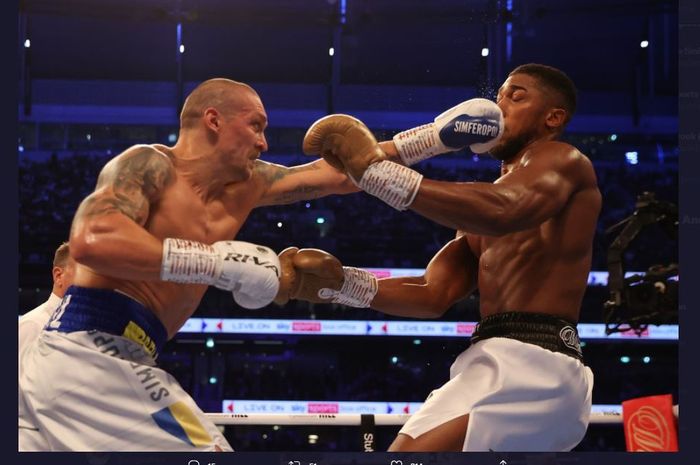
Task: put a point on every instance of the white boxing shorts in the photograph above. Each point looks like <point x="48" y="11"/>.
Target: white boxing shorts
<point x="98" y="389"/>
<point x="519" y="396"/>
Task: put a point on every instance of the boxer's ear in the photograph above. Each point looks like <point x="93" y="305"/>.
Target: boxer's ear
<point x="212" y="119"/>
<point x="555" y="119"/>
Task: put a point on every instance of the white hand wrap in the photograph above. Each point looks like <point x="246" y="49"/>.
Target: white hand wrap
<point x="186" y="261"/>
<point x="419" y="143"/>
<point x="358" y="290"/>
<point x="250" y="271"/>
<point x="395" y="184"/>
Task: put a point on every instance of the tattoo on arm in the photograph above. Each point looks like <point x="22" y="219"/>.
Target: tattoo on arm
<point x="129" y="184"/>
<point x="272" y="173"/>
<point x="300" y="193"/>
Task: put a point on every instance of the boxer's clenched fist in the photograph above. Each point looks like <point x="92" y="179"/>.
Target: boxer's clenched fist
<point x="476" y="123"/>
<point x="345" y="143"/>
<point x="317" y="276"/>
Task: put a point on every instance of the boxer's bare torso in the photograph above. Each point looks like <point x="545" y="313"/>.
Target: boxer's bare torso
<point x="143" y="197"/>
<point x="543" y="269"/>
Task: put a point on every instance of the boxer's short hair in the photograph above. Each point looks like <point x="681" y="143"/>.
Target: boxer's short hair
<point x="60" y="258"/>
<point x="555" y="81"/>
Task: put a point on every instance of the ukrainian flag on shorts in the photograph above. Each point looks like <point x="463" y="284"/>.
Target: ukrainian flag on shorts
<point x="178" y="420"/>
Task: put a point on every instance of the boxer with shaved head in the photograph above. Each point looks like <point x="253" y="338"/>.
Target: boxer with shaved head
<point x="157" y="230"/>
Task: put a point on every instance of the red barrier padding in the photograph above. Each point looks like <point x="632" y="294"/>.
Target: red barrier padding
<point x="650" y="425"/>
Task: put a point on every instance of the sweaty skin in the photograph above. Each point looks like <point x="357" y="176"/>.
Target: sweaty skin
<point x="201" y="189"/>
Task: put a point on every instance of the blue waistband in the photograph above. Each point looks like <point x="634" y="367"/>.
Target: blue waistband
<point x="85" y="309"/>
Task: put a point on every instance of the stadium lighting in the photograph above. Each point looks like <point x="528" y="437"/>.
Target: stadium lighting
<point x="632" y="157"/>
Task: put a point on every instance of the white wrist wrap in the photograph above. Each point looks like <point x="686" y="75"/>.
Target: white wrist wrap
<point x="419" y="143"/>
<point x="250" y="271"/>
<point x="186" y="261"/>
<point x="395" y="184"/>
<point x="359" y="288"/>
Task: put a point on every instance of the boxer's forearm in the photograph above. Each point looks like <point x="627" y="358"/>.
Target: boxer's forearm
<point x="450" y="276"/>
<point x="284" y="185"/>
<point x="408" y="297"/>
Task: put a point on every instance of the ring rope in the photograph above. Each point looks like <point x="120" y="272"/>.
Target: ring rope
<point x="354" y="419"/>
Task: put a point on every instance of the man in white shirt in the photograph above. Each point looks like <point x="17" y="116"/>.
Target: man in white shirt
<point x="32" y="322"/>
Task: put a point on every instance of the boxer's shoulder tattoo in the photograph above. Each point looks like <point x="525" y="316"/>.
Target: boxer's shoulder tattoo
<point x="129" y="184"/>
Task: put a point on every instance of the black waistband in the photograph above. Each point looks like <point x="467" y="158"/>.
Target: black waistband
<point x="85" y="309"/>
<point x="547" y="331"/>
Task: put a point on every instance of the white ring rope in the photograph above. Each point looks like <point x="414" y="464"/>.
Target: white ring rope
<point x="322" y="419"/>
<point x="354" y="419"/>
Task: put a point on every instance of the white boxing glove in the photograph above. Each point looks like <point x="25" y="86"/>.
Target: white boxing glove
<point x="476" y="123"/>
<point x="250" y="271"/>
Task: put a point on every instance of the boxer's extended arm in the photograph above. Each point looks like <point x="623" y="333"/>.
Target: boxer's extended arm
<point x="348" y="145"/>
<point x="107" y="234"/>
<point x="521" y="199"/>
<point x="317" y="276"/>
<point x="449" y="277"/>
<point x="281" y="185"/>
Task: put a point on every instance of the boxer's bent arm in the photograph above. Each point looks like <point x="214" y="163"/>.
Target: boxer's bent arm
<point x="282" y="185"/>
<point x="449" y="277"/>
<point x="107" y="234"/>
<point x="520" y="200"/>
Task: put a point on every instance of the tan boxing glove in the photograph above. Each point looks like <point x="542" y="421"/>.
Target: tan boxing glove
<point x="316" y="276"/>
<point x="288" y="275"/>
<point x="348" y="145"/>
<point x="345" y="143"/>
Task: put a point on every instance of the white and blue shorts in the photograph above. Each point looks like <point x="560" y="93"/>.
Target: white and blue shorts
<point x="98" y="389"/>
